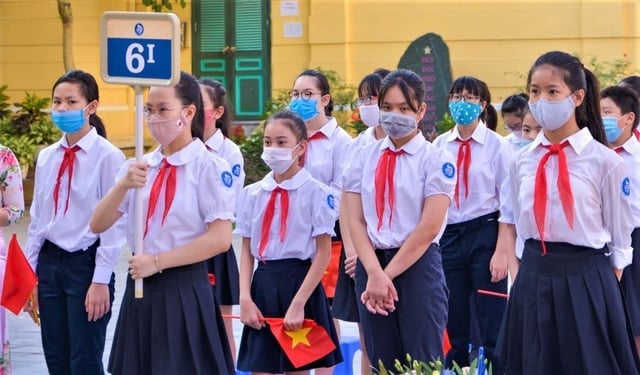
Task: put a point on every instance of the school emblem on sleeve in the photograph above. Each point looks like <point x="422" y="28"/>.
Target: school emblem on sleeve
<point x="448" y="170"/>
<point x="227" y="179"/>
<point x="331" y="201"/>
<point x="236" y="170"/>
<point x="626" y="186"/>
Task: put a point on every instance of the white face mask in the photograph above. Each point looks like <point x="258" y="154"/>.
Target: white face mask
<point x="278" y="159"/>
<point x="370" y="114"/>
<point x="551" y="115"/>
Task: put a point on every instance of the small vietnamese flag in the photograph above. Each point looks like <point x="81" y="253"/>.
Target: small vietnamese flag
<point x="446" y="343"/>
<point x="302" y="346"/>
<point x="19" y="279"/>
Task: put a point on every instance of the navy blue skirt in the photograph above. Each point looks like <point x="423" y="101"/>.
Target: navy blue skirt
<point x="345" y="302"/>
<point x="175" y="329"/>
<point x="630" y="284"/>
<point x="225" y="268"/>
<point x="566" y="315"/>
<point x="274" y="285"/>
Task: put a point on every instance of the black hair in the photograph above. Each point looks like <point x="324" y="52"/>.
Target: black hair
<point x="626" y="99"/>
<point x="188" y="91"/>
<point x="633" y="82"/>
<point x="323" y="86"/>
<point x="515" y="105"/>
<point x="370" y="85"/>
<point x="409" y="83"/>
<point x="292" y="121"/>
<point x="89" y="89"/>
<point x="382" y="72"/>
<point x="577" y="77"/>
<point x="479" y="88"/>
<point x="218" y="96"/>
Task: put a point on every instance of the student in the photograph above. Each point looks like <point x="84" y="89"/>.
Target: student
<point x="398" y="191"/>
<point x="512" y="111"/>
<point x="530" y="128"/>
<point x="189" y="204"/>
<point x="223" y="267"/>
<point x="632" y="82"/>
<point x="570" y="197"/>
<point x="620" y="111"/>
<point x="469" y="241"/>
<point x="10" y="213"/>
<point x="286" y="221"/>
<point x="74" y="266"/>
<point x="345" y="303"/>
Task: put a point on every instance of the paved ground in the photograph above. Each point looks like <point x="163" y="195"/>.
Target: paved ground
<point x="26" y="348"/>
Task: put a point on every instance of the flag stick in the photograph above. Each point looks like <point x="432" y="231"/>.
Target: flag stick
<point x="138" y="229"/>
<point x="35" y="316"/>
<point x="495" y="294"/>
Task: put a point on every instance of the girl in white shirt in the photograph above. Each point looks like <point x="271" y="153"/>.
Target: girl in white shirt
<point x="570" y="196"/>
<point x="74" y="266"/>
<point x="190" y="202"/>
<point x="223" y="268"/>
<point x="398" y="191"/>
<point x="286" y="221"/>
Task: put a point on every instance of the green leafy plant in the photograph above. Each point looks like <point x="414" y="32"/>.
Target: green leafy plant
<point x="436" y="367"/>
<point x="445" y="124"/>
<point x="159" y="5"/>
<point x="251" y="148"/>
<point x="4" y="102"/>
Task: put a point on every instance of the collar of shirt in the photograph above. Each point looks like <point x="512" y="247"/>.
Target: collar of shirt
<point x="269" y="183"/>
<point x="215" y="141"/>
<point x="478" y="135"/>
<point x="85" y="143"/>
<point x="329" y="128"/>
<point x="411" y="147"/>
<point x="182" y="157"/>
<point x="578" y="140"/>
<point x="632" y="145"/>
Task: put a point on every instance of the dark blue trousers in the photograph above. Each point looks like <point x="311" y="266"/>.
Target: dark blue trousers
<point x="417" y="324"/>
<point x="467" y="249"/>
<point x="72" y="344"/>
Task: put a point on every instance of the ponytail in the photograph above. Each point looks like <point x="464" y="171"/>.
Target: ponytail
<point x="588" y="114"/>
<point x="97" y="123"/>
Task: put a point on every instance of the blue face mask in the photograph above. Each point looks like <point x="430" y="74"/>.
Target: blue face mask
<point x="611" y="129"/>
<point x="70" y="121"/>
<point x="525" y="142"/>
<point x="306" y="109"/>
<point x="464" y="113"/>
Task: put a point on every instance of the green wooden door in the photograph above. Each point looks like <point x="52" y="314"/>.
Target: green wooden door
<point x="231" y="45"/>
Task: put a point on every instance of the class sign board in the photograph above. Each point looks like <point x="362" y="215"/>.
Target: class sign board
<point x="140" y="48"/>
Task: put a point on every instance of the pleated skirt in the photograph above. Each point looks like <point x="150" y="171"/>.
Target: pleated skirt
<point x="630" y="284"/>
<point x="225" y="268"/>
<point x="345" y="301"/>
<point x="175" y="329"/>
<point x="566" y="315"/>
<point x="274" y="285"/>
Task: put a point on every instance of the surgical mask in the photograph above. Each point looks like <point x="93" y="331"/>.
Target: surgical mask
<point x="525" y="142"/>
<point x="69" y="121"/>
<point x="306" y="109"/>
<point x="551" y="115"/>
<point x="370" y="114"/>
<point x="209" y="120"/>
<point x="165" y="131"/>
<point x="278" y="159"/>
<point x="464" y="113"/>
<point x="611" y="129"/>
<point x="397" y="125"/>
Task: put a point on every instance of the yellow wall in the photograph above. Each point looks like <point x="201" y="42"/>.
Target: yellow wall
<point x="493" y="40"/>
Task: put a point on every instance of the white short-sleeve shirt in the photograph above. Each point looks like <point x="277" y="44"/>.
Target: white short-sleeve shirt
<point x="312" y="212"/>
<point x="421" y="171"/>
<point x="631" y="157"/>
<point x="223" y="147"/>
<point x="204" y="193"/>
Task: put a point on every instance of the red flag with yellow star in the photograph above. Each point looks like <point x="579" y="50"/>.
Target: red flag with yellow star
<point x="305" y="345"/>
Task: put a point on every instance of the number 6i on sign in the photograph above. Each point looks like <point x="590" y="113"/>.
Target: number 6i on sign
<point x="140" y="49"/>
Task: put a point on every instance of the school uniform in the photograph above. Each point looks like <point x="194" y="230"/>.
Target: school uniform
<point x="469" y="240"/>
<point x="345" y="302"/>
<point x="177" y="327"/>
<point x="224" y="266"/>
<point x="566" y="313"/>
<point x="630" y="282"/>
<point x="326" y="154"/>
<point x="283" y="262"/>
<point x="66" y="255"/>
<point x="421" y="170"/>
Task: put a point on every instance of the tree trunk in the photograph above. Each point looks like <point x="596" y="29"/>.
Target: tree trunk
<point x="64" y="10"/>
